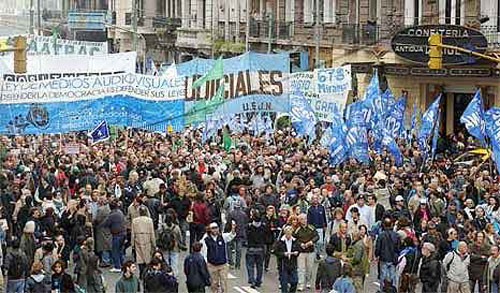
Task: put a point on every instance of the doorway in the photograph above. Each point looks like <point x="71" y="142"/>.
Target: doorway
<point x="461" y="101"/>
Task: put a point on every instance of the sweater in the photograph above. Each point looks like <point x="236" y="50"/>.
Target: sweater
<point x="127" y="285"/>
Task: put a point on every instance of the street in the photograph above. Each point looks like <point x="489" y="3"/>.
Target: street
<point x="237" y="279"/>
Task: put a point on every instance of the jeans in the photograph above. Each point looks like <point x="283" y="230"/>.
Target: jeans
<point x="106" y="257"/>
<point x="171" y="258"/>
<point x="196" y="232"/>
<point x="235" y="245"/>
<point x="288" y="276"/>
<point x="387" y="272"/>
<point x="255" y="261"/>
<point x="318" y="246"/>
<point x="15" y="286"/>
<point x="184" y="226"/>
<point x="267" y="256"/>
<point x="493" y="287"/>
<point x="117" y="251"/>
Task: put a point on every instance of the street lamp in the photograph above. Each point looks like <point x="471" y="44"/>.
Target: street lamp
<point x="143" y="38"/>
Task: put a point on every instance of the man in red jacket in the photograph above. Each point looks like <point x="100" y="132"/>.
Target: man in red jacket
<point x="200" y="219"/>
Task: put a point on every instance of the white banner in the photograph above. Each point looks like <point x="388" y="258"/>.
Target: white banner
<point x="47" y="45"/>
<point x="62" y="64"/>
<point x="332" y="86"/>
<point x="324" y="89"/>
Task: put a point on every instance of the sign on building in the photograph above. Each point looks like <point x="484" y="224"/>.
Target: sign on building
<point x="411" y="43"/>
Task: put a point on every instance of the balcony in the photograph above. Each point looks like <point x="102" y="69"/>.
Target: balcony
<point x="194" y="38"/>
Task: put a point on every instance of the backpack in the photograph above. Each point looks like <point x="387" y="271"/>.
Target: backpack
<point x="167" y="239"/>
<point x="38" y="287"/>
<point x="16" y="267"/>
<point x="448" y="265"/>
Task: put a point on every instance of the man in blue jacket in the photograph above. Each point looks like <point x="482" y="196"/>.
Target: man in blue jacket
<point x="195" y="268"/>
<point x="316" y="216"/>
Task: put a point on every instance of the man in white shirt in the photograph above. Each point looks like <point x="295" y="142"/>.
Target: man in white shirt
<point x="365" y="212"/>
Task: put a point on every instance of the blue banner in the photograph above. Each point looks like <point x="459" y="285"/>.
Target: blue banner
<point x="60" y="117"/>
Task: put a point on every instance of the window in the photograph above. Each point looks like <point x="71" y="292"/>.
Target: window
<point x="128" y="18"/>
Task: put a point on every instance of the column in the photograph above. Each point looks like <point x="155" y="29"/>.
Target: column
<point x="262" y="9"/>
<point x="450" y="103"/>
<point x="209" y="14"/>
<point x="186" y="16"/>
<point x="237" y="19"/>
<point x="308" y="11"/>
<point x="227" y="9"/>
<point x="200" y="17"/>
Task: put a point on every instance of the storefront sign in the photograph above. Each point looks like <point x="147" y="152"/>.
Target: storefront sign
<point x="411" y="43"/>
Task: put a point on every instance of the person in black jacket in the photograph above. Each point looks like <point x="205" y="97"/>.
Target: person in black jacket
<point x="386" y="249"/>
<point x="157" y="280"/>
<point x="195" y="268"/>
<point x="329" y="270"/>
<point x="271" y="231"/>
<point x="287" y="250"/>
<point x="255" y="251"/>
<point x="16" y="267"/>
<point x="430" y="269"/>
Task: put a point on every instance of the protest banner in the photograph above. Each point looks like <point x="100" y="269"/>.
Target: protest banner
<point x="72" y="64"/>
<point x="78" y="103"/>
<point x="48" y="45"/>
<point x="253" y="82"/>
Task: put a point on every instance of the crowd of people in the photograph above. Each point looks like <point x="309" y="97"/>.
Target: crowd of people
<point x="154" y="207"/>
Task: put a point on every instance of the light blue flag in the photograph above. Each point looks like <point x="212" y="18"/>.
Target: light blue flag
<point x="473" y="118"/>
<point x="355" y="115"/>
<point x="389" y="142"/>
<point x="427" y="125"/>
<point x="493" y="132"/>
<point x="99" y="133"/>
<point x="395" y="119"/>
<point x="235" y="124"/>
<point x="338" y="148"/>
<point x="326" y="138"/>
<point x="372" y="89"/>
<point x="435" y="136"/>
<point x="303" y="118"/>
<point x="357" y="143"/>
<point x="210" y="128"/>
<point x="373" y="107"/>
<point x="388" y="100"/>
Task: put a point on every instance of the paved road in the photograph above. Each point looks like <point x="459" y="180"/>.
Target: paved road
<point x="238" y="282"/>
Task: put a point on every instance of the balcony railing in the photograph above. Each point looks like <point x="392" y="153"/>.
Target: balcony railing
<point x="364" y="34"/>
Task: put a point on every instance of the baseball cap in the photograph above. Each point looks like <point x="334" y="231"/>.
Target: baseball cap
<point x="399" y="198"/>
<point x="213" y="225"/>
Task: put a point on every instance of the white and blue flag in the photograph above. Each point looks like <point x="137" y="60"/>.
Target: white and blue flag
<point x="303" y="118"/>
<point x="427" y="125"/>
<point x="473" y="118"/>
